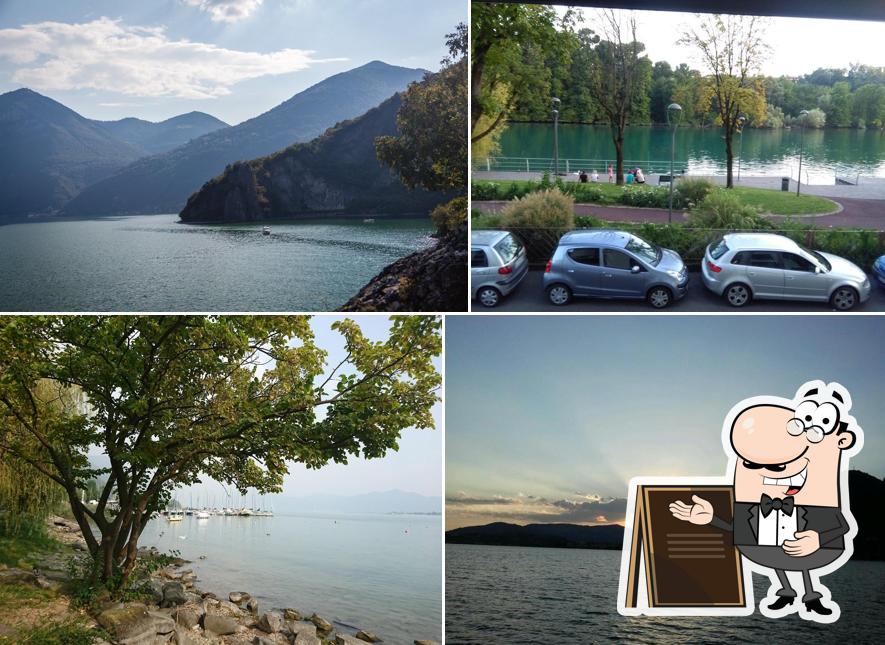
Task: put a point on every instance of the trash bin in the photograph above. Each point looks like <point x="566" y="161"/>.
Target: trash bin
<point x="785" y="184"/>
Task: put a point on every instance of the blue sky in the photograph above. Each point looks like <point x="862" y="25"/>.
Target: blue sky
<point x="548" y="418"/>
<point x="231" y="58"/>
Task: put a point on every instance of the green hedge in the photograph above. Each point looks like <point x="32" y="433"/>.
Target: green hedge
<point x="635" y="195"/>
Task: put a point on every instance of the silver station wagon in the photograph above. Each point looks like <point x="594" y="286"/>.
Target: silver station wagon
<point x="614" y="264"/>
<point x="743" y="266"/>
<point x="498" y="263"/>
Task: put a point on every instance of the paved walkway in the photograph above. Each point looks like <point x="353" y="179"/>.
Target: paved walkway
<point x="855" y="213"/>
<point x="869" y="187"/>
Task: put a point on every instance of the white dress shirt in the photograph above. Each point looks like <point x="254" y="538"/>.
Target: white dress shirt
<point x="777" y="527"/>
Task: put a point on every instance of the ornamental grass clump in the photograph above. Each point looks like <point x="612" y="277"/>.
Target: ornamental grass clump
<point x="544" y="209"/>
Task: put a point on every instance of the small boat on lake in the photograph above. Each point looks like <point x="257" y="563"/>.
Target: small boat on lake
<point x="175" y="516"/>
<point x="369" y="220"/>
<point x="265" y="230"/>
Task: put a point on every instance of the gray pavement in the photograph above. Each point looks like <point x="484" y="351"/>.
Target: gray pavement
<point x="868" y="188"/>
<point x="530" y="297"/>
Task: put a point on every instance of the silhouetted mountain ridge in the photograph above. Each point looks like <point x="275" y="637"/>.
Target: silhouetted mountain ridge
<point x="866" y="494"/>
<point x="153" y="138"/>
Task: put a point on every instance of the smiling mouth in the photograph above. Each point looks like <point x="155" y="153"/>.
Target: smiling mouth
<point x="794" y="484"/>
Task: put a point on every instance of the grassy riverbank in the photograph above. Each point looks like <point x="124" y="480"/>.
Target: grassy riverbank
<point x="773" y="202"/>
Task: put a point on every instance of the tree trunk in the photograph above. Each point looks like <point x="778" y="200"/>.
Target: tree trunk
<point x="729" y="158"/>
<point x="618" y="140"/>
<point x="476" y="71"/>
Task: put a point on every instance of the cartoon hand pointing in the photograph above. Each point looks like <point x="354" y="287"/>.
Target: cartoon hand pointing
<point x="701" y="512"/>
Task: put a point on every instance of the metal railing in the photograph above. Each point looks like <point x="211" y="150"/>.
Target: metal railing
<point x="574" y="165"/>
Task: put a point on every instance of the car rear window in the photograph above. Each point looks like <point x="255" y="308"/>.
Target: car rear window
<point x="508" y="248"/>
<point x="719" y="250"/>
<point x="479" y="258"/>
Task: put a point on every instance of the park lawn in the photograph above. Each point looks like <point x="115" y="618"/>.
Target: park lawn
<point x="779" y="202"/>
<point x="774" y="202"/>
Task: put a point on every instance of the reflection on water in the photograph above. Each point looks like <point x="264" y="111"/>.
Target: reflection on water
<point x="532" y="595"/>
<point x="763" y="152"/>
<point x="154" y="263"/>
<point x="375" y="572"/>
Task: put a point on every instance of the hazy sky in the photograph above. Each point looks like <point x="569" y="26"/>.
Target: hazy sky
<point x="234" y="59"/>
<point x="800" y="45"/>
<point x="548" y="418"/>
<point x="416" y="467"/>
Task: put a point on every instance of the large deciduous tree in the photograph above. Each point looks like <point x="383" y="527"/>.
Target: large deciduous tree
<point x="172" y="399"/>
<point x="731" y="49"/>
<point x="621" y="77"/>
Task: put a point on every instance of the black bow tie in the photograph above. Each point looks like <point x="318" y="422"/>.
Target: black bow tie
<point x="766" y="505"/>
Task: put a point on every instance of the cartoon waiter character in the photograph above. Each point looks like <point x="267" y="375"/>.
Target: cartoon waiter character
<point x="791" y="512"/>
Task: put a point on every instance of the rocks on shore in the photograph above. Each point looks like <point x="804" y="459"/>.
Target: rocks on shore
<point x="369" y="637"/>
<point x="322" y="624"/>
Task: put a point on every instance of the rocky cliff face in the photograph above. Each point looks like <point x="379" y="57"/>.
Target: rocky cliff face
<point x="335" y="173"/>
<point x="434" y="279"/>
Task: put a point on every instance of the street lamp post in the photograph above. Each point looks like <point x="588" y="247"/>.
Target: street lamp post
<point x="676" y="108"/>
<point x="556" y="103"/>
<point x="802" y="115"/>
<point x="741" y="120"/>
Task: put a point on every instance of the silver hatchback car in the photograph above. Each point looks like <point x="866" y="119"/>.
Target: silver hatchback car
<point x="614" y="264"/>
<point x="498" y="263"/>
<point x="743" y="266"/>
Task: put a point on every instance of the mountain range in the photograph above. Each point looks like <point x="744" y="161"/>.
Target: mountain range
<point x="337" y="172"/>
<point x="55" y="160"/>
<point x="162" y="183"/>
<point x="866" y="494"/>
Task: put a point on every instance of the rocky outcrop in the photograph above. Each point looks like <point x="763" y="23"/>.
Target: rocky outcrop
<point x="335" y="173"/>
<point x="434" y="279"/>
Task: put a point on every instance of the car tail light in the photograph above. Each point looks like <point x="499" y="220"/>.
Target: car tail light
<point x="713" y="267"/>
<point x="504" y="270"/>
<point x="549" y="266"/>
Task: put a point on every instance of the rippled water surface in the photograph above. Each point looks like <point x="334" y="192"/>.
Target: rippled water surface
<point x="155" y="263"/>
<point x="533" y="595"/>
<point x="375" y="572"/>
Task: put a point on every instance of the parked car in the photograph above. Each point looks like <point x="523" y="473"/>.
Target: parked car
<point x="613" y="264"/>
<point x="879" y="270"/>
<point x="743" y="266"/>
<point x="497" y="266"/>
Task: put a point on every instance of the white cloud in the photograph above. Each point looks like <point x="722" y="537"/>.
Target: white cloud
<point x="226" y="10"/>
<point x="107" y="55"/>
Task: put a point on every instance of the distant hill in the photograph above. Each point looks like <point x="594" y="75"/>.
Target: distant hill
<point x="49" y="153"/>
<point x="162" y="183"/>
<point x="337" y="172"/>
<point x="391" y="501"/>
<point x="153" y="138"/>
<point x="866" y="493"/>
<point x="565" y="536"/>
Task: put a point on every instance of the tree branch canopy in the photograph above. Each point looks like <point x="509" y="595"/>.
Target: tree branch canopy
<point x="173" y="399"/>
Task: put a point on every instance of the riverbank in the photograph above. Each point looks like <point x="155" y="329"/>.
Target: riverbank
<point x="166" y="607"/>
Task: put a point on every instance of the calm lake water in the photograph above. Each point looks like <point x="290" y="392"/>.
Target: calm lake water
<point x="375" y="572"/>
<point x="533" y="595"/>
<point x="155" y="263"/>
<point x="765" y="152"/>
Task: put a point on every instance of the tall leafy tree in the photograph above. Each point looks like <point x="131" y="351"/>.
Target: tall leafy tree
<point x="173" y="399"/>
<point x="732" y="49"/>
<point x="621" y="78"/>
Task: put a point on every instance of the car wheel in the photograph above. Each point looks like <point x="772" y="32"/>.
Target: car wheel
<point x="844" y="298"/>
<point x="488" y="297"/>
<point x="559" y="294"/>
<point x="738" y="295"/>
<point x="659" y="297"/>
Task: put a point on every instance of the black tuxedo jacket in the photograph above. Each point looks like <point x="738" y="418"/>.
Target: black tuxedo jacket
<point x="829" y="523"/>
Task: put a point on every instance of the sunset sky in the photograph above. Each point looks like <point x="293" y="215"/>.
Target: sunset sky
<point x="547" y="419"/>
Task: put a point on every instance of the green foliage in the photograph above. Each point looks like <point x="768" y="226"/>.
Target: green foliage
<point x="480" y="220"/>
<point x="448" y="216"/>
<point x="73" y="631"/>
<point x="722" y="209"/>
<point x="23" y="538"/>
<point x="693" y="190"/>
<point x="815" y="119"/>
<point x="175" y="398"/>
<point x="431" y="150"/>
<point x="544" y="209"/>
<point x="648" y="197"/>
<point x="87" y="589"/>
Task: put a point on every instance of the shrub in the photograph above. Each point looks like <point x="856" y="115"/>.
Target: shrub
<point x="448" y="216"/>
<point x="478" y="220"/>
<point x="647" y="198"/>
<point x="484" y="191"/>
<point x="584" y="193"/>
<point x="693" y="191"/>
<point x="69" y="632"/>
<point x="588" y="221"/>
<point x="723" y="209"/>
<point x="545" y="209"/>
